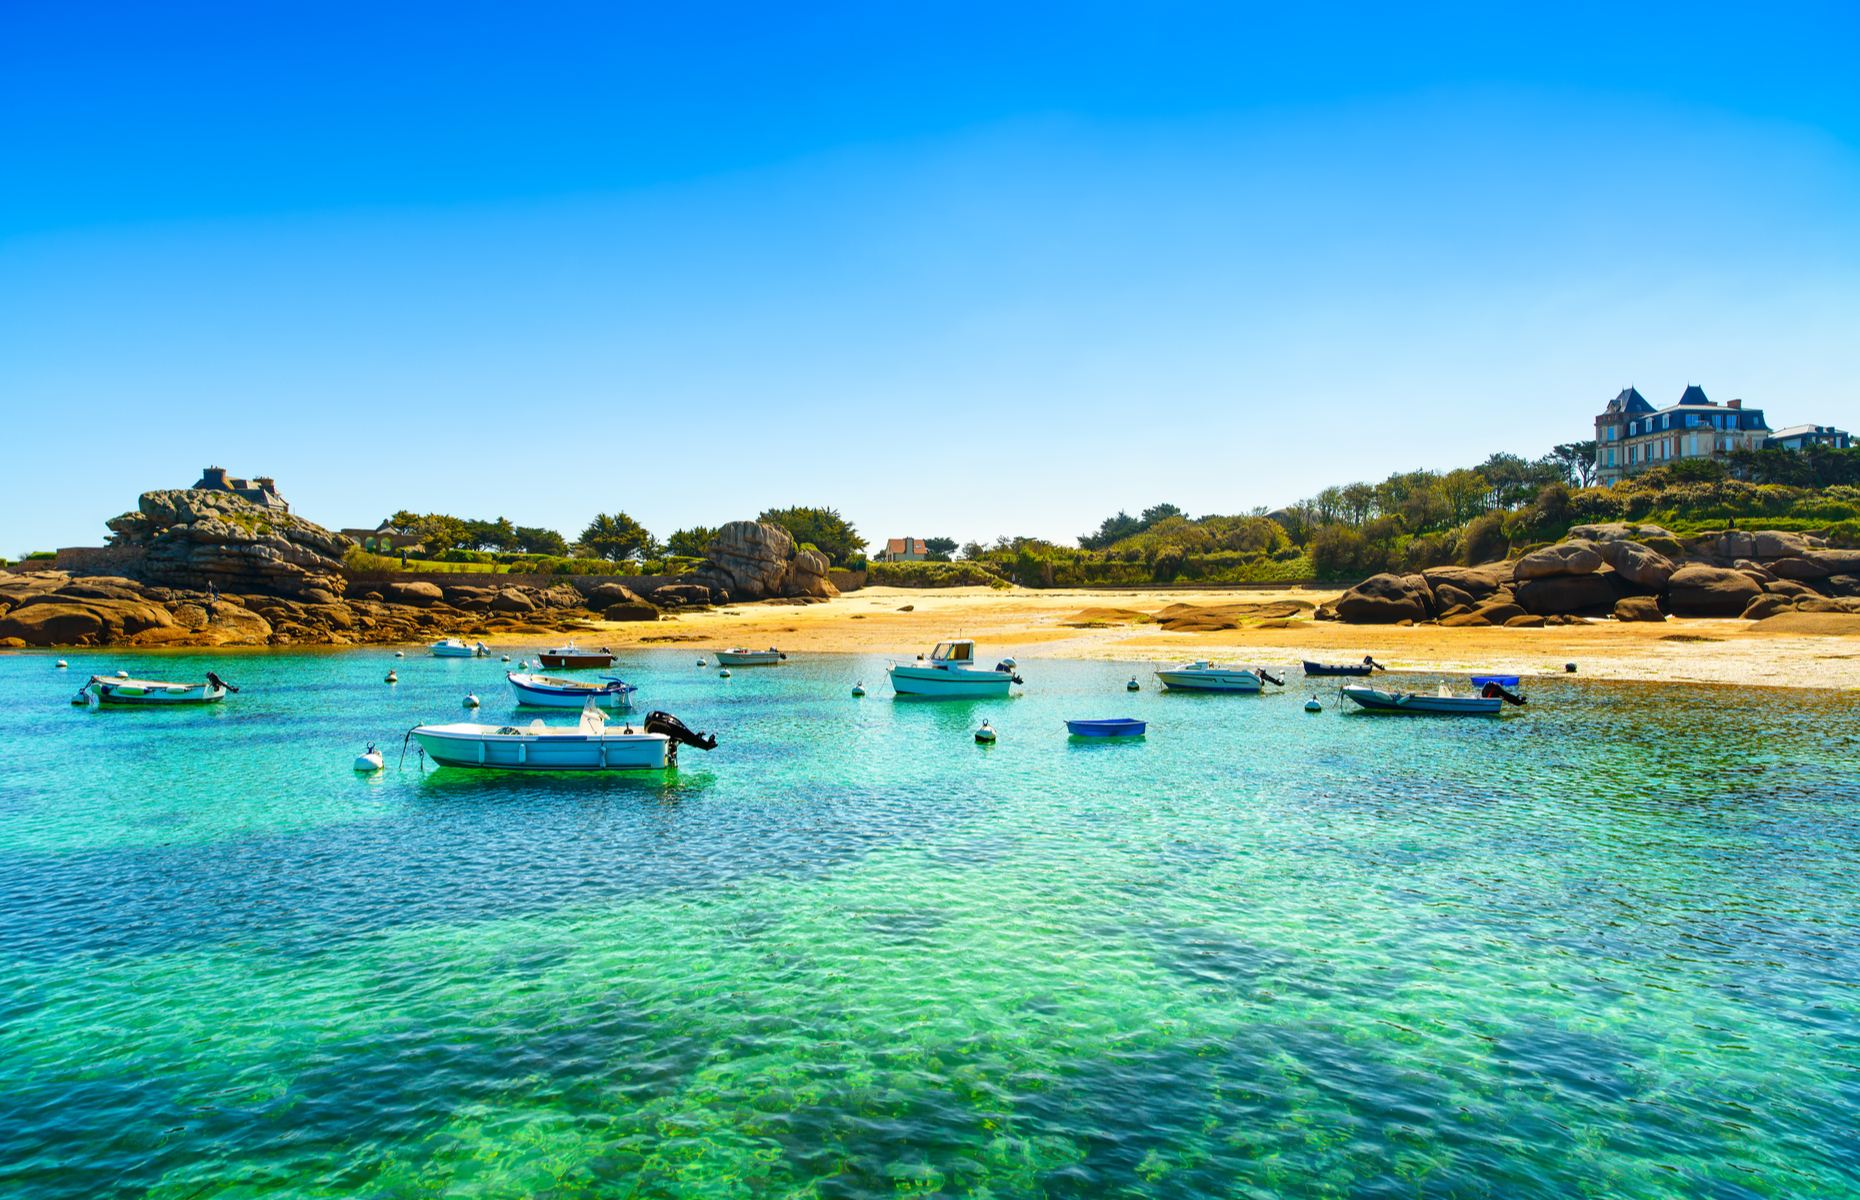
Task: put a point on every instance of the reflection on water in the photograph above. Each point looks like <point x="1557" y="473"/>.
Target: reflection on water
<point x="1604" y="946"/>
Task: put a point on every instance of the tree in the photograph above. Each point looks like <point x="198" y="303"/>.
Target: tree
<point x="1578" y="462"/>
<point x="534" y="540"/>
<point x="690" y="543"/>
<point x="823" y="528"/>
<point x="1465" y="493"/>
<point x="940" y="548"/>
<point x="1111" y="530"/>
<point x="973" y="550"/>
<point x="616" y="536"/>
<point x="491" y="535"/>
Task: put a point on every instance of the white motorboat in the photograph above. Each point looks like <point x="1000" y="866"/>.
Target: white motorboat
<point x="740" y="657"/>
<point x="459" y="648"/>
<point x="107" y="689"/>
<point x="589" y="745"/>
<point x="1494" y="692"/>
<point x="950" y="673"/>
<point x="1205" y="675"/>
<point x="546" y="691"/>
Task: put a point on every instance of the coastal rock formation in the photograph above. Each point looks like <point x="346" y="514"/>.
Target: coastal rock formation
<point x="195" y="539"/>
<point x="1638" y="608"/>
<point x="1564" y="594"/>
<point x="753" y="560"/>
<point x="1384" y="600"/>
<point x="1564" y="558"/>
<point x="1637" y="563"/>
<point x="1697" y="590"/>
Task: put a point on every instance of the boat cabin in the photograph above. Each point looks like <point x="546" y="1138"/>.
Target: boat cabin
<point x="955" y="654"/>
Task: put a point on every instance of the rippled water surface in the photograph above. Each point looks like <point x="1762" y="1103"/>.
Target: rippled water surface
<point x="1604" y="948"/>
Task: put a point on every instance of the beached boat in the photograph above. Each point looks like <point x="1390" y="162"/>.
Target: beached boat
<point x="1366" y="667"/>
<point x="591" y="744"/>
<point x="459" y="648"/>
<point x="572" y="656"/>
<point x="950" y="673"/>
<point x="105" y="689"/>
<point x="543" y="691"/>
<point x="740" y="657"/>
<point x="1111" y="727"/>
<point x="1206" y="676"/>
<point x="1494" y="692"/>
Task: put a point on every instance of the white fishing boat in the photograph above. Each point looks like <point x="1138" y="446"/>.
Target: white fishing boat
<point x="547" y="691"/>
<point x="1205" y="675"/>
<point x="459" y="648"/>
<point x="108" y="689"/>
<point x="1489" y="700"/>
<point x="740" y="657"/>
<point x="592" y="744"/>
<point x="950" y="673"/>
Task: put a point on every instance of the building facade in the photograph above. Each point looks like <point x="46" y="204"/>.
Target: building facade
<point x="1632" y="435"/>
<point x="903" y="549"/>
<point x="262" y="491"/>
<point x="384" y="538"/>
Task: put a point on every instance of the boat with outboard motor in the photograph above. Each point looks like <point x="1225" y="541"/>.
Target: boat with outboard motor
<point x="459" y="648"/>
<point x="571" y="656"/>
<point x="1494" y="692"/>
<point x="589" y="745"/>
<point x="1368" y="666"/>
<point x="1206" y="676"/>
<point x="105" y="689"/>
<point x="950" y="673"/>
<point x="739" y="657"/>
<point x="544" y="691"/>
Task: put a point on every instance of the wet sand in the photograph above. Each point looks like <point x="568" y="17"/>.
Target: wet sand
<point x="1798" y="650"/>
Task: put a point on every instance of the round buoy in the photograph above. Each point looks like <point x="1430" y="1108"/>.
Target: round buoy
<point x="1133" y="685"/>
<point x="471" y="700"/>
<point x="1312" y="705"/>
<point x="506" y="658"/>
<point x="61" y="664"/>
<point x="986" y="734"/>
<point x="859" y="689"/>
<point x="702" y="663"/>
<point x="724" y="674"/>
<point x="1570" y="668"/>
<point x="369" y="759"/>
<point x="393" y="678"/>
<point x="400" y="654"/>
<point x="122" y="674"/>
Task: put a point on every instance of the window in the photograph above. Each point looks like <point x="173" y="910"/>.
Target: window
<point x="1611" y="456"/>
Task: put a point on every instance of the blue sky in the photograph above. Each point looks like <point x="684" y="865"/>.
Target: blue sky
<point x="962" y="270"/>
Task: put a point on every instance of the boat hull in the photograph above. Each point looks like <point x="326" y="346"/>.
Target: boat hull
<point x="943" y="684"/>
<point x="570" y="662"/>
<point x="749" y="658"/>
<point x="1210" y="681"/>
<point x="535" y="692"/>
<point x="490" y="747"/>
<point x="1358" y="669"/>
<point x="1116" y="728"/>
<point x="116" y="692"/>
<point x="1377" y="700"/>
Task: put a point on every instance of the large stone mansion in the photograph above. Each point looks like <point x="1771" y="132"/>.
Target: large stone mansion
<point x="1631" y="435"/>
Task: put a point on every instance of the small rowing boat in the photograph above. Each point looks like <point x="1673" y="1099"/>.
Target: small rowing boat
<point x="104" y="689"/>
<point x="1112" y="727"/>
<point x="543" y="691"/>
<point x="740" y="657"/>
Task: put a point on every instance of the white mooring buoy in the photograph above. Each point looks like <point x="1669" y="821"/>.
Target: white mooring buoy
<point x="859" y="688"/>
<point x="702" y="663"/>
<point x="369" y="759"/>
<point x="506" y="658"/>
<point x="1312" y="705"/>
<point x="724" y="674"/>
<point x="61" y="664"/>
<point x="122" y="674"/>
<point x="986" y="734"/>
<point x="400" y="654"/>
<point x="471" y="700"/>
<point x="392" y="677"/>
<point x="1133" y="685"/>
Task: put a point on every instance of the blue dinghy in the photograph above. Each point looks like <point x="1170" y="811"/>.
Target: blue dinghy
<point x="1115" y="727"/>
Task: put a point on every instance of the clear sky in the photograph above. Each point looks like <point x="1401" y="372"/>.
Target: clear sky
<point x="956" y="270"/>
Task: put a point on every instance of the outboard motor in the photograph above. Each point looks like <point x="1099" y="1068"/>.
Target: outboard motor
<point x="1370" y="662"/>
<point x="217" y="682"/>
<point x="1006" y="667"/>
<point x="1269" y="677"/>
<point x="678" y="731"/>
<point x="1502" y="692"/>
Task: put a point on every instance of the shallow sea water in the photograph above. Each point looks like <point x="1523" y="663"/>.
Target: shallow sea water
<point x="1606" y="947"/>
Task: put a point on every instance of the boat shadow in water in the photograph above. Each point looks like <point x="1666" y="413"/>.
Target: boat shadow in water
<point x="491" y="785"/>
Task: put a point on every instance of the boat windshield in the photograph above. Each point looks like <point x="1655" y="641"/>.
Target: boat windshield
<point x="953" y="652"/>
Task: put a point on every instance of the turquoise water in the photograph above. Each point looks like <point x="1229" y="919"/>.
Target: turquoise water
<point x="1605" y="948"/>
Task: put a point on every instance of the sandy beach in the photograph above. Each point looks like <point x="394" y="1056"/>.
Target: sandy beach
<point x="1796" y="650"/>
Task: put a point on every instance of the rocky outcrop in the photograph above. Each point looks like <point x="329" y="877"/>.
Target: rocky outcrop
<point x="1384" y="600"/>
<point x="1637" y="563"/>
<point x="1696" y="590"/>
<point x="198" y="539"/>
<point x="753" y="560"/>
<point x="1566" y="594"/>
<point x="1564" y="558"/>
<point x="1638" y="608"/>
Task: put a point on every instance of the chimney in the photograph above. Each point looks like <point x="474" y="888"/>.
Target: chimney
<point x="268" y="483"/>
<point x="1734" y="404"/>
<point x="214" y="477"/>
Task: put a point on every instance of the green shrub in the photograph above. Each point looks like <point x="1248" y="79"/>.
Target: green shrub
<point x="930" y="575"/>
<point x="41" y="556"/>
